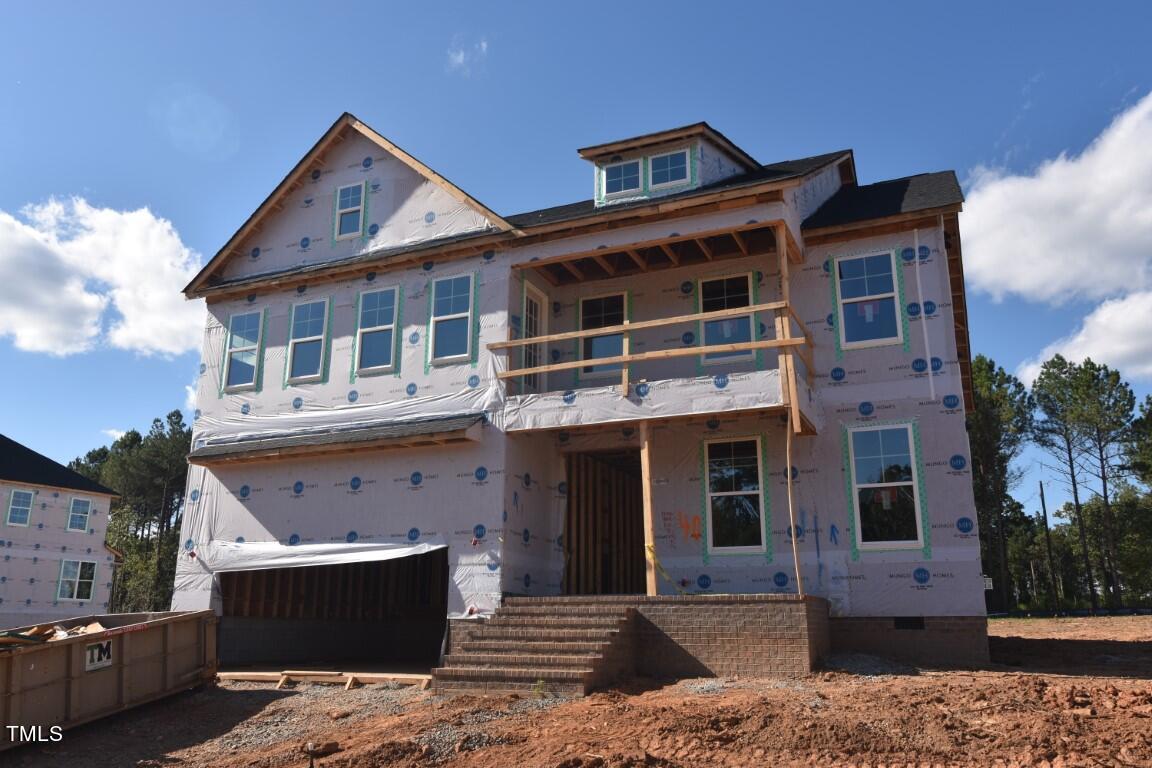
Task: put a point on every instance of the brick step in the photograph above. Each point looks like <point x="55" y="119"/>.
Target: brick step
<point x="561" y="601"/>
<point x="565" y="610"/>
<point x="519" y="634"/>
<point x="515" y="674"/>
<point x="555" y="622"/>
<point x="516" y="658"/>
<point x="543" y="647"/>
<point x="546" y="690"/>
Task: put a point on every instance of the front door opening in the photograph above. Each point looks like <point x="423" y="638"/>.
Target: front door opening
<point x="604" y="524"/>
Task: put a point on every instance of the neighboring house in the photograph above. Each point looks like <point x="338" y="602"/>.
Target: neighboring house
<point x="734" y="368"/>
<point x="53" y="560"/>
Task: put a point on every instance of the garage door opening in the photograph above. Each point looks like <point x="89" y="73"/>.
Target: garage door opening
<point x="389" y="612"/>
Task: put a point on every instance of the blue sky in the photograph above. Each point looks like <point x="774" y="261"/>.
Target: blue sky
<point x="136" y="137"/>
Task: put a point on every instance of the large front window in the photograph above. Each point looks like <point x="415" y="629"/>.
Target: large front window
<point x="602" y="312"/>
<point x="243" y="350"/>
<point x="306" y="345"/>
<point x="76" y="579"/>
<point x="726" y="293"/>
<point x="866" y="290"/>
<point x="452" y="319"/>
<point x="735" y="496"/>
<point x="376" y="335"/>
<point x="884" y="488"/>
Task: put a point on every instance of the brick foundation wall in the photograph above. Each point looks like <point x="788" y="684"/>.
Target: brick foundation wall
<point x="943" y="640"/>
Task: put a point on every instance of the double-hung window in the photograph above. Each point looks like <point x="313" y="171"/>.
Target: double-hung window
<point x="376" y="335"/>
<point x="669" y="169"/>
<point x="76" y="580"/>
<point x="349" y="211"/>
<point x="622" y="178"/>
<point x="866" y="292"/>
<point x="452" y="319"/>
<point x="78" y="515"/>
<point x="884" y="486"/>
<point x="602" y="312"/>
<point x="720" y="294"/>
<point x="20" y="507"/>
<point x="306" y="343"/>
<point x="243" y="350"/>
<point x="735" y="496"/>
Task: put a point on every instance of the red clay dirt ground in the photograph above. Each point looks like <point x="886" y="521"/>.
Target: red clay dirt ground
<point x="1059" y="693"/>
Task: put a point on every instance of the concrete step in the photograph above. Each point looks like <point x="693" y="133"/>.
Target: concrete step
<point x="544" y="647"/>
<point x="519" y="659"/>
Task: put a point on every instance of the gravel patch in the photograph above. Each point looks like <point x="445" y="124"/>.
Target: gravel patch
<point x="867" y="666"/>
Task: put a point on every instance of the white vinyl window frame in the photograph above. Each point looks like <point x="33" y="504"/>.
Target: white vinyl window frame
<point x="914" y="460"/>
<point x="615" y="372"/>
<point x="341" y="211"/>
<point x="709" y="495"/>
<point x="12" y="505"/>
<point x="540" y="351"/>
<point x="362" y="330"/>
<point x="436" y="320"/>
<point x="73" y="513"/>
<point x="894" y="294"/>
<point x="254" y="348"/>
<point x="294" y="342"/>
<point x="677" y="182"/>
<point x="76" y="581"/>
<point x="636" y="190"/>
<point x="740" y="357"/>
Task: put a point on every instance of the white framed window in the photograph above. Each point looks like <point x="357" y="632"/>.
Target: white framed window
<point x="78" y="513"/>
<point x="602" y="312"/>
<point x="20" y="507"/>
<point x="885" y="498"/>
<point x="535" y="324"/>
<point x="622" y="178"/>
<point x="306" y="341"/>
<point x="866" y="294"/>
<point x="722" y="293"/>
<point x="76" y="580"/>
<point x="452" y="319"/>
<point x="349" y="211"/>
<point x="376" y="332"/>
<point x="667" y="170"/>
<point x="242" y="363"/>
<point x="735" y="496"/>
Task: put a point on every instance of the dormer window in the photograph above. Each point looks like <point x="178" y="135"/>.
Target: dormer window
<point x="349" y="211"/>
<point x="669" y="169"/>
<point x="622" y="177"/>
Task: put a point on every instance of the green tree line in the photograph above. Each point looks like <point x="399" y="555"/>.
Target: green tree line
<point x="149" y="471"/>
<point x="1094" y="551"/>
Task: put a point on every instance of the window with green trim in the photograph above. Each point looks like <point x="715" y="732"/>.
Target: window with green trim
<point x="349" y="211"/>
<point x="668" y="169"/>
<point x="866" y="293"/>
<point x="242" y="362"/>
<point x="76" y="580"/>
<point x="376" y="334"/>
<point x="622" y="177"/>
<point x="884" y="487"/>
<point x="735" y="496"/>
<point x="78" y="514"/>
<point x="452" y="319"/>
<point x="306" y="341"/>
<point x="20" y="507"/>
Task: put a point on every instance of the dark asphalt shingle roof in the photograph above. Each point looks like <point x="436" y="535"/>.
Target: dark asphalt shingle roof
<point x="20" y="464"/>
<point x="328" y="436"/>
<point x="787" y="169"/>
<point x="887" y="198"/>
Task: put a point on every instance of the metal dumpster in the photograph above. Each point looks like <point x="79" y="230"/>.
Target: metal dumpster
<point x="138" y="657"/>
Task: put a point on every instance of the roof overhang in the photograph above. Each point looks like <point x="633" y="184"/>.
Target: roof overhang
<point x="600" y="152"/>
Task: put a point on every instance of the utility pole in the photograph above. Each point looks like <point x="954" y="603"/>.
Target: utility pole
<point x="1048" y="541"/>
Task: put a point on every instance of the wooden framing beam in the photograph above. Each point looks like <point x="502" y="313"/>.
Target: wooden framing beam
<point x="638" y="259"/>
<point x="576" y="272"/>
<point x="925" y="219"/>
<point x="743" y="246"/>
<point x="649" y="524"/>
<point x="604" y="264"/>
<point x="706" y="249"/>
<point x="671" y="254"/>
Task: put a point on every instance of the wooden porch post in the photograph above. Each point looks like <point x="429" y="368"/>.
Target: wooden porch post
<point x="649" y="527"/>
<point x="789" y="431"/>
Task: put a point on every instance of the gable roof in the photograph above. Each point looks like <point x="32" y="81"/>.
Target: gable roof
<point x="701" y="129"/>
<point x="345" y="123"/>
<point x="763" y="174"/>
<point x="20" y="464"/>
<point x="910" y="194"/>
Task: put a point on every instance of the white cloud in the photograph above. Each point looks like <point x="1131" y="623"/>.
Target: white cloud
<point x="190" y="396"/>
<point x="115" y="434"/>
<point x="73" y="277"/>
<point x="1117" y="333"/>
<point x="1079" y="227"/>
<point x="464" y="57"/>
